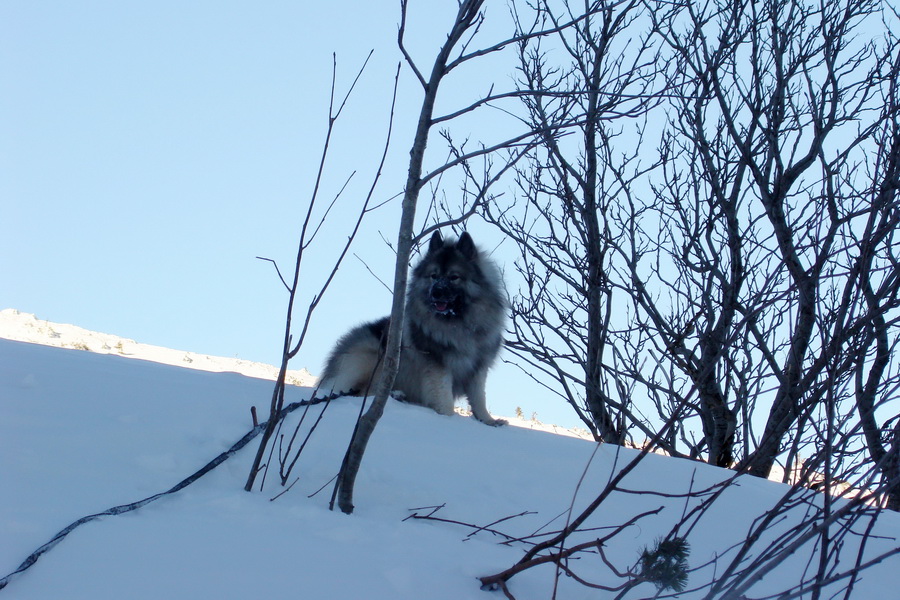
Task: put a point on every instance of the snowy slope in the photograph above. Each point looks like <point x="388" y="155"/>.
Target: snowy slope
<point x="83" y="431"/>
<point x="26" y="327"/>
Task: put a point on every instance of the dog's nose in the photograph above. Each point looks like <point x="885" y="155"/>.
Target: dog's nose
<point x="442" y="290"/>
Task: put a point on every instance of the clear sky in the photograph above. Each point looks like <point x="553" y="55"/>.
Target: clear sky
<point x="150" y="151"/>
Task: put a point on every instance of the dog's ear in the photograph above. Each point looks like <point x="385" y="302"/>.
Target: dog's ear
<point x="466" y="246"/>
<point x="436" y="243"/>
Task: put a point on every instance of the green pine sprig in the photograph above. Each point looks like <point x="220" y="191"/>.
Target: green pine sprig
<point x="666" y="564"/>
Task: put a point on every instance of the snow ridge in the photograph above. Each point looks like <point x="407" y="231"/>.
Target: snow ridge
<point x="26" y="327"/>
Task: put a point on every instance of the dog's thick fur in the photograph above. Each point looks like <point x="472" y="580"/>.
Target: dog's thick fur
<point x="453" y="328"/>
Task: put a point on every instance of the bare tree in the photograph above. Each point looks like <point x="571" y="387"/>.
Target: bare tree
<point x="562" y="318"/>
<point x="743" y="267"/>
<point x="308" y="233"/>
<point x="767" y="209"/>
<point x="467" y="22"/>
<point x="466" y="18"/>
<point x="759" y="267"/>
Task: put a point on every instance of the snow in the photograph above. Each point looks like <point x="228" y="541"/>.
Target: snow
<point x="84" y="431"/>
<point x="26" y="327"/>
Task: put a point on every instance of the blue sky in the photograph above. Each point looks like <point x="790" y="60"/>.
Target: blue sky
<point x="149" y="152"/>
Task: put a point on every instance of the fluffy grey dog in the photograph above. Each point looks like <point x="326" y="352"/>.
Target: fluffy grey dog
<point x="455" y="312"/>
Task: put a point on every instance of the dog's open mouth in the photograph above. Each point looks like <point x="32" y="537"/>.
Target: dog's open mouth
<point x="442" y="308"/>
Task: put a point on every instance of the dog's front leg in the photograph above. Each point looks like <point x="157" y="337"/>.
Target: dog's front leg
<point x="438" y="390"/>
<point x="477" y="400"/>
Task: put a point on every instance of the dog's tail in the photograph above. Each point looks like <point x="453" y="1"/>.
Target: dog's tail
<point x="356" y="360"/>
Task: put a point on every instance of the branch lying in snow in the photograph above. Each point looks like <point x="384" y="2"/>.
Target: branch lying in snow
<point x="125" y="508"/>
<point x="498" y="581"/>
<point x="476" y="528"/>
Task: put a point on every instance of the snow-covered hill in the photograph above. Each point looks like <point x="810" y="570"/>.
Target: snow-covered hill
<point x="84" y="431"/>
<point x="26" y="327"/>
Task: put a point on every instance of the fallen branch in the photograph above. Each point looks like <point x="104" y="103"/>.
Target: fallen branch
<point x="126" y="508"/>
<point x="489" y="528"/>
<point x="498" y="581"/>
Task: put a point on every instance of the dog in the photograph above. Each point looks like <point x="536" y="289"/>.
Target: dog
<point x="455" y="314"/>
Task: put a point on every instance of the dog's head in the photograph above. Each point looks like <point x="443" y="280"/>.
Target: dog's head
<point x="447" y="274"/>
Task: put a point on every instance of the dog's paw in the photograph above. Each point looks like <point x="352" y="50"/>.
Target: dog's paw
<point x="399" y="395"/>
<point x="495" y="422"/>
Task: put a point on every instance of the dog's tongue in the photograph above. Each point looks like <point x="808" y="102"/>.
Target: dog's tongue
<point x="440" y="306"/>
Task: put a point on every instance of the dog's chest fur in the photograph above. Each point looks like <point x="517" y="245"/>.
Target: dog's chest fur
<point x="455" y="348"/>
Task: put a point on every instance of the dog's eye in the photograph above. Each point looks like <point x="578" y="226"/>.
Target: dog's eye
<point x="434" y="276"/>
<point x="454" y="277"/>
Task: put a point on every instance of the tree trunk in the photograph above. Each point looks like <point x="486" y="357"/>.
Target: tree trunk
<point x="466" y="17"/>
